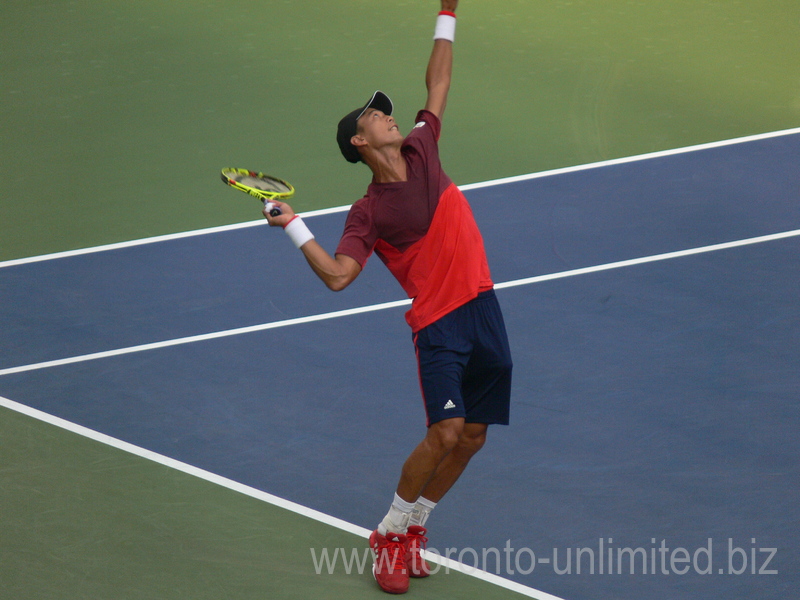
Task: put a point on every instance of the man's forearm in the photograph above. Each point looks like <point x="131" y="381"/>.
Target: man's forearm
<point x="335" y="272"/>
<point x="440" y="65"/>
<point x="440" y="68"/>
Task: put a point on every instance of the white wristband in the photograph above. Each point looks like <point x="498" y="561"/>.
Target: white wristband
<point x="298" y="232"/>
<point x="445" y="27"/>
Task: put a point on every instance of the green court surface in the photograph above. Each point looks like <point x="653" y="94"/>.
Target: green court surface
<point x="115" y="118"/>
<point x="81" y="520"/>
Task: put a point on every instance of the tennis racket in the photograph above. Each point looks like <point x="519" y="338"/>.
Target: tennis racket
<point x="263" y="187"/>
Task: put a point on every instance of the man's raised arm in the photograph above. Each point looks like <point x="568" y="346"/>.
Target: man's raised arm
<point x="440" y="65"/>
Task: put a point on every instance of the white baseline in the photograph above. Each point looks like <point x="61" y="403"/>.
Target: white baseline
<point x="471" y="186"/>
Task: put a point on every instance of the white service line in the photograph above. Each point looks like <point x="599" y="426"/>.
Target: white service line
<point x="649" y="259"/>
<point x="395" y="304"/>
<point x="204" y="337"/>
<point x="259" y="495"/>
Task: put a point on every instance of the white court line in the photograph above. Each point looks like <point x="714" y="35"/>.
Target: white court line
<point x="471" y="186"/>
<point x="277" y="501"/>
<point x="396" y="303"/>
<point x="205" y="336"/>
<point x="630" y="159"/>
<point x="654" y="258"/>
<point x="156" y="239"/>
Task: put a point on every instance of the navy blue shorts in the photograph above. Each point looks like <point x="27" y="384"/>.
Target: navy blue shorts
<point x="465" y="364"/>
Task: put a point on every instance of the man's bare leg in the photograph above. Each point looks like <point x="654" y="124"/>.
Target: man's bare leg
<point x="423" y="462"/>
<point x="471" y="440"/>
<point x="433" y="467"/>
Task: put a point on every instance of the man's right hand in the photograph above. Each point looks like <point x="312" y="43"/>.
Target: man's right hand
<point x="287" y="214"/>
<point x="450" y="5"/>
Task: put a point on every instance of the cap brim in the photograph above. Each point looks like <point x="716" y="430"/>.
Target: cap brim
<point x="380" y="101"/>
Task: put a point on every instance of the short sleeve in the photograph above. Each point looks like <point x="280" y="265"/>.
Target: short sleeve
<point x="359" y="236"/>
<point x="431" y="121"/>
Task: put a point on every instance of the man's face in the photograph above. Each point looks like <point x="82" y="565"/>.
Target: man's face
<point x="378" y="129"/>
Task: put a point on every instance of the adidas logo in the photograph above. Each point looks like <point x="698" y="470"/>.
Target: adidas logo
<point x="449" y="405"/>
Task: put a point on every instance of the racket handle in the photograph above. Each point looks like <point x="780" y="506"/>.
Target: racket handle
<point x="273" y="210"/>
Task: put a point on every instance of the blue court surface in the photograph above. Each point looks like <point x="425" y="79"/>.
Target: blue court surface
<point x="653" y="310"/>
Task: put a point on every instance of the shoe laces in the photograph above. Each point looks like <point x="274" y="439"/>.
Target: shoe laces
<point x="417" y="541"/>
<point x="396" y="550"/>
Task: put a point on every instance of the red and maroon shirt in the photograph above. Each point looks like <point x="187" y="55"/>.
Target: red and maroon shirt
<point x="423" y="230"/>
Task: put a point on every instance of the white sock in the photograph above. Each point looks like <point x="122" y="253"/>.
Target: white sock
<point x="396" y="520"/>
<point x="421" y="512"/>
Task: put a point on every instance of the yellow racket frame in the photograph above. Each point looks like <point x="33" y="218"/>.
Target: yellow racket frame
<point x="229" y="173"/>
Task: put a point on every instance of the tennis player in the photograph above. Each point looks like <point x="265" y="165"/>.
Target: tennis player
<point x="420" y="225"/>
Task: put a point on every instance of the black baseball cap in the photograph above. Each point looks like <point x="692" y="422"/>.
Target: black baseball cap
<point x="347" y="126"/>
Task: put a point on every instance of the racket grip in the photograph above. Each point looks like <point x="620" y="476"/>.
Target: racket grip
<point x="273" y="210"/>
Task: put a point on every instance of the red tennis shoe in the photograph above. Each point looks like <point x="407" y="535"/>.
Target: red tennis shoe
<point x="389" y="566"/>
<point x="416" y="541"/>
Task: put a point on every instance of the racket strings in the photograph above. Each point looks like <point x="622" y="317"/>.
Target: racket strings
<point x="265" y="184"/>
